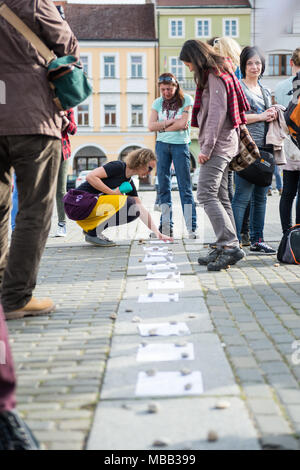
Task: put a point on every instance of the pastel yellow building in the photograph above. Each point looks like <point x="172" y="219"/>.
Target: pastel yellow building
<point x="121" y="62"/>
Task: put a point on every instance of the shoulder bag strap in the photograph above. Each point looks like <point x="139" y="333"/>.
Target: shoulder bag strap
<point x="267" y="106"/>
<point x="20" y="26"/>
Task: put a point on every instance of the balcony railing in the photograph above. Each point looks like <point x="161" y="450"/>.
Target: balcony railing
<point x="187" y="84"/>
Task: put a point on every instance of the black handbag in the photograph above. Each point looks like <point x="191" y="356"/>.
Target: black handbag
<point x="261" y="171"/>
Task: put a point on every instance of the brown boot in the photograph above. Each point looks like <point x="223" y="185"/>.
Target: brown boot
<point x="33" y="308"/>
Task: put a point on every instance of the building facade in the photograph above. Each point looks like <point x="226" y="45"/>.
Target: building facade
<point x="119" y="54"/>
<point x="275" y="28"/>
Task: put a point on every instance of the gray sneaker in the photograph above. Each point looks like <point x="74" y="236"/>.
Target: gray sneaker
<point x="100" y="240"/>
<point x="211" y="257"/>
<point x="225" y="259"/>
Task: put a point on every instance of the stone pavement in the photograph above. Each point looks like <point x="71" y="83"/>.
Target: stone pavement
<point x="78" y="370"/>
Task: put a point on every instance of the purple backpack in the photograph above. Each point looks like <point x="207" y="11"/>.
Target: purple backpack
<point x="79" y="204"/>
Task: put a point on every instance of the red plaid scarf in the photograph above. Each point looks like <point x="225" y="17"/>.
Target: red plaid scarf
<point x="71" y="129"/>
<point x="236" y="100"/>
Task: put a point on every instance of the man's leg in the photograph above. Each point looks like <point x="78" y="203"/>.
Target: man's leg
<point x="36" y="161"/>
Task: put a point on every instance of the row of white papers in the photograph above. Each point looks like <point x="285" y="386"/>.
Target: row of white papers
<point x="162" y="274"/>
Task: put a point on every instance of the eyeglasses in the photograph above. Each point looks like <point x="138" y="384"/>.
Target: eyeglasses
<point x="163" y="79"/>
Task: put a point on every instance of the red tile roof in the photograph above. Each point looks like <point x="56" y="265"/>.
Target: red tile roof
<point x="111" y="22"/>
<point x="204" y="3"/>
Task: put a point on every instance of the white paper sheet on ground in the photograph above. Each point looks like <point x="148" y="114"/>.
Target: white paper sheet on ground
<point x="157" y="259"/>
<point x="156" y="249"/>
<point x="169" y="384"/>
<point x="163" y="329"/>
<point x="163" y="275"/>
<point x="145" y="299"/>
<point x="161" y="266"/>
<point x="160" y="352"/>
<point x="154" y="242"/>
<point x="159" y="254"/>
<point x="166" y="284"/>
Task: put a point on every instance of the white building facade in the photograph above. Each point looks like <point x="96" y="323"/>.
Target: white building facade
<point x="275" y="28"/>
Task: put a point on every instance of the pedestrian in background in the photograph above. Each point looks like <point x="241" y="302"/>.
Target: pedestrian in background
<point x="170" y="118"/>
<point x="291" y="171"/>
<point x="220" y="105"/>
<point x="228" y="47"/>
<point x="261" y="112"/>
<point x="68" y="127"/>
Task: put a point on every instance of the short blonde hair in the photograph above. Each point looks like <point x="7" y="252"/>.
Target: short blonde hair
<point x="296" y="57"/>
<point x="140" y="157"/>
<point x="228" y="47"/>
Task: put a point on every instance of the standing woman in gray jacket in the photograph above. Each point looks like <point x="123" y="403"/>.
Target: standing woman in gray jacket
<point x="218" y="139"/>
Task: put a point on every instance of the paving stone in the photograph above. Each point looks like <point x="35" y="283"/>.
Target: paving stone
<point x="254" y="390"/>
<point x="288" y="396"/>
<point x="244" y="362"/>
<point x="267" y="355"/>
<point x="280" y="442"/>
<point x="122" y="369"/>
<point x="249" y="375"/>
<point x="182" y="434"/>
<point x="273" y="424"/>
<point x="173" y="311"/>
<point x="261" y="406"/>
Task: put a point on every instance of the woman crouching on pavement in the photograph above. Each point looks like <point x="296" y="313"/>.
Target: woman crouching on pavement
<point x="113" y="207"/>
<point x="220" y="105"/>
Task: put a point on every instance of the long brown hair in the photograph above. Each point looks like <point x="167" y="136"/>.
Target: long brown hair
<point x="204" y="59"/>
<point x="179" y="96"/>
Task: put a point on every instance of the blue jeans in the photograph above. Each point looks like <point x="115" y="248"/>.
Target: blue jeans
<point x="180" y="155"/>
<point x="277" y="178"/>
<point x="15" y="204"/>
<point x="245" y="192"/>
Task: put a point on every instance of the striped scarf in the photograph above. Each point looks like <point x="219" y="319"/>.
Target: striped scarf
<point x="236" y="100"/>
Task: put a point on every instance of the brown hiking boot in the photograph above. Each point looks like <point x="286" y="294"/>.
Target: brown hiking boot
<point x="33" y="308"/>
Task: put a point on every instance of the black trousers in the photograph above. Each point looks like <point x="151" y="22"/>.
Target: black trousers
<point x="291" y="188"/>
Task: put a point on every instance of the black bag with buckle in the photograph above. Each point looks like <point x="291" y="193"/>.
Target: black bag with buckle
<point x="261" y="171"/>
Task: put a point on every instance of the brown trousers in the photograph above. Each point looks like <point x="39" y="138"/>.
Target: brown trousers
<point x="35" y="159"/>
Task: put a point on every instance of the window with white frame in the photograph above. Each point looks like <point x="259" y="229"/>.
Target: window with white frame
<point x="203" y="28"/>
<point x="137" y="117"/>
<point x="177" y="68"/>
<point x="109" y="66"/>
<point x="83" y="115"/>
<point x="176" y="28"/>
<point x="136" y="66"/>
<point x="85" y="63"/>
<point x="231" y="27"/>
<point x="110" y="115"/>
